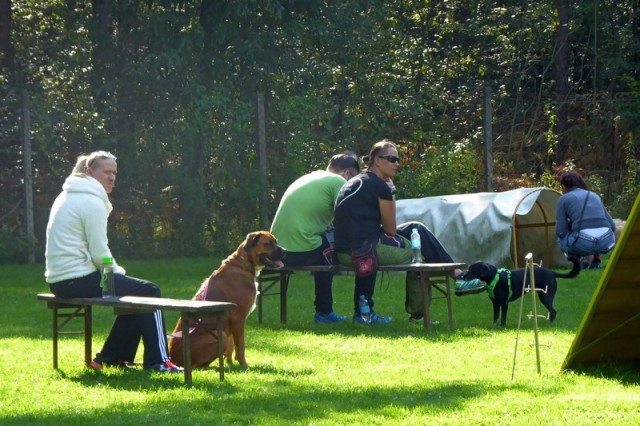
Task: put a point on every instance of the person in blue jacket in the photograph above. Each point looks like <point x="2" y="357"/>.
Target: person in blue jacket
<point x="584" y="227"/>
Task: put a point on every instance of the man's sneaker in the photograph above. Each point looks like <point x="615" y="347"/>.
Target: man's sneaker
<point x="470" y="287"/>
<point x="375" y="319"/>
<point x="318" y="318"/>
<point x="165" y="367"/>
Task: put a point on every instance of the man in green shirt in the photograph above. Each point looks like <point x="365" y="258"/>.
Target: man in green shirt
<point x="302" y="220"/>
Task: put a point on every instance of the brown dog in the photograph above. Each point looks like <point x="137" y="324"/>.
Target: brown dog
<point x="233" y="281"/>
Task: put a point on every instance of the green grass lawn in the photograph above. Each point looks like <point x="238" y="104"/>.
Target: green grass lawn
<point x="312" y="374"/>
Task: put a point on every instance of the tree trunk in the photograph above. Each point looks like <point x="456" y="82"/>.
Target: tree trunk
<point x="102" y="36"/>
<point x="561" y="75"/>
<point x="6" y="47"/>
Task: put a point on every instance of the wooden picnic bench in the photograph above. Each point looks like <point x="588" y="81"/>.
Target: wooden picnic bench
<point x="432" y="276"/>
<point x="64" y="310"/>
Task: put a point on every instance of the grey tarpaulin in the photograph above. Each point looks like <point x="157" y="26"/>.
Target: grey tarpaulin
<point x="495" y="227"/>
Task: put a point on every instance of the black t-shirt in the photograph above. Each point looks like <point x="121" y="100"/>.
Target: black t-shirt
<point x="357" y="213"/>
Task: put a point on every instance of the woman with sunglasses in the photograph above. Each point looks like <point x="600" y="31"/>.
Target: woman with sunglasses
<point x="365" y="214"/>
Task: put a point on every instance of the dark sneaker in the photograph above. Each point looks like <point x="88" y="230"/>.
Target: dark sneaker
<point x="165" y="367"/>
<point x="101" y="361"/>
<point x="416" y="317"/>
<point x="470" y="287"/>
<point x="328" y="318"/>
<point x="596" y="264"/>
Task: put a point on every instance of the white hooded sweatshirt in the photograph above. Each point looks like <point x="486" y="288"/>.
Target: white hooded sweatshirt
<point x="77" y="230"/>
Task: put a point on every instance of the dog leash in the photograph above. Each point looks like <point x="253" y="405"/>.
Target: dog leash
<point x="492" y="285"/>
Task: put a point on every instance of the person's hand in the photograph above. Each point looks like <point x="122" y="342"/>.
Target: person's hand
<point x="392" y="240"/>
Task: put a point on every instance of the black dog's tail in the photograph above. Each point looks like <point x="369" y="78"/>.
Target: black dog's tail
<point x="573" y="272"/>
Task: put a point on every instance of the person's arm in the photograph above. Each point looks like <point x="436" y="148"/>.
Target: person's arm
<point x="562" y="226"/>
<point x="388" y="216"/>
<point x="95" y="229"/>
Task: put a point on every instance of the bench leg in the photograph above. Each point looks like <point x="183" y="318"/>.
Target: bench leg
<point x="85" y="312"/>
<point x="448" y="280"/>
<point x="425" y="285"/>
<point x="284" y="287"/>
<point x="221" y="343"/>
<point x="88" y="334"/>
<point x="265" y="283"/>
<point x="186" y="349"/>
<point x="55" y="337"/>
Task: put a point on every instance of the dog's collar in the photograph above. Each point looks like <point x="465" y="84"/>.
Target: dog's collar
<point x="492" y="285"/>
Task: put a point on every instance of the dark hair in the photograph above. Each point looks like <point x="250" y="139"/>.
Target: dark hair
<point x="572" y="179"/>
<point x="376" y="151"/>
<point x="340" y="162"/>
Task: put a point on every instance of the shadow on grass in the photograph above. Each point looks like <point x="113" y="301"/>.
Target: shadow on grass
<point x="280" y="402"/>
<point x="627" y="374"/>
<point x="136" y="379"/>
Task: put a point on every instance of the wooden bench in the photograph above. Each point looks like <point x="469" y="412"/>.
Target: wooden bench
<point x="432" y="276"/>
<point x="64" y="310"/>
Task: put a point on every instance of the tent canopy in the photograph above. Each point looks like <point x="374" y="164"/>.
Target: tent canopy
<point x="610" y="329"/>
<point x="495" y="227"/>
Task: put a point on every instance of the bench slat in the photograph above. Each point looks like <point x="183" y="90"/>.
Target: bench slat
<point x="146" y="303"/>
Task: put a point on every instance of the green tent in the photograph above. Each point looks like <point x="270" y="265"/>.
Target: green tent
<point x="610" y="330"/>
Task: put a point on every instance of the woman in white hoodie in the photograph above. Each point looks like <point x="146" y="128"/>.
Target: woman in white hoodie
<point x="76" y="243"/>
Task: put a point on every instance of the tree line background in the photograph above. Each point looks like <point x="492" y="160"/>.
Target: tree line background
<point x="170" y="87"/>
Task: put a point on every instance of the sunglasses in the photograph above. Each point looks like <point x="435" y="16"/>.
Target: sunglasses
<point x="390" y="158"/>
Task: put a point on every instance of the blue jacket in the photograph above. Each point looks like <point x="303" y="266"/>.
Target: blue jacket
<point x="569" y="209"/>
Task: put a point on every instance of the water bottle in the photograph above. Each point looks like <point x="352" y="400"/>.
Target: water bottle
<point x="365" y="310"/>
<point x="416" y="247"/>
<point x="107" y="283"/>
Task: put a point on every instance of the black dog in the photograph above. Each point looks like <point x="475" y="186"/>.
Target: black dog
<point x="508" y="285"/>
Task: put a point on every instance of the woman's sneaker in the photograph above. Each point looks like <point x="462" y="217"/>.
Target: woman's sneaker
<point x="470" y="287"/>
<point x="416" y="317"/>
<point x="165" y="367"/>
<point x="374" y="319"/>
<point x="101" y="361"/>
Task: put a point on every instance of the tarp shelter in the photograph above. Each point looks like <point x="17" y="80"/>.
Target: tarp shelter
<point x="495" y="227"/>
<point x="610" y="329"/>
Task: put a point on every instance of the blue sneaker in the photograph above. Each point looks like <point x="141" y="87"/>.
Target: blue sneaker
<point x="375" y="319"/>
<point x="330" y="317"/>
<point x="470" y="287"/>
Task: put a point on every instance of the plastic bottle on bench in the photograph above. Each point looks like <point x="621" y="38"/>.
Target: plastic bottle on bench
<point x="365" y="310"/>
<point x="416" y="247"/>
<point x="107" y="282"/>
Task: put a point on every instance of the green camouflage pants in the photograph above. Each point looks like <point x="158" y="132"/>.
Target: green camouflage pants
<point x="391" y="255"/>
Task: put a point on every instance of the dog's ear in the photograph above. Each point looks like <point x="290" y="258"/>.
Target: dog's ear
<point x="251" y="241"/>
<point x="488" y="270"/>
